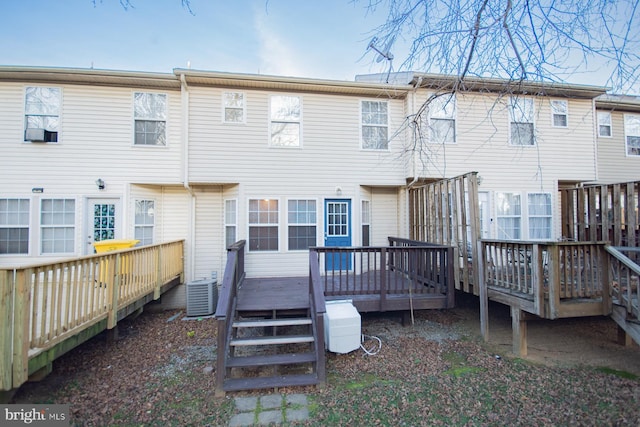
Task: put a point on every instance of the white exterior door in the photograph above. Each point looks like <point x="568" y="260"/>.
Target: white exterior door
<point x="103" y="221"/>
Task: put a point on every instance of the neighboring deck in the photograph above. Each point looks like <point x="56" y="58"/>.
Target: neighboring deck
<point x="48" y="309"/>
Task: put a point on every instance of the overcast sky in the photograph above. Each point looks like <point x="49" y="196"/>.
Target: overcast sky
<point x="302" y="38"/>
<point x="325" y="39"/>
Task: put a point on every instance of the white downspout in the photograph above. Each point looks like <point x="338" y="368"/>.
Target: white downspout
<point x="184" y="97"/>
<point x="413" y="110"/>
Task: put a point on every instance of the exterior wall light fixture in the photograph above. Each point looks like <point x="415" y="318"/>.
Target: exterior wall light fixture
<point x="100" y="184"/>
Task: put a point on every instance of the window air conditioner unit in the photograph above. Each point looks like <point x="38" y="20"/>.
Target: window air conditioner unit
<point x="35" y="135"/>
<point x="202" y="297"/>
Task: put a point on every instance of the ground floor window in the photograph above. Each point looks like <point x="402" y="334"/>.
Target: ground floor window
<point x="302" y="219"/>
<point x="57" y="223"/>
<point x="230" y="222"/>
<point x="539" y="210"/>
<point x="508" y="214"/>
<point x="144" y="221"/>
<point x="366" y="223"/>
<point x="263" y="225"/>
<point x="14" y="226"/>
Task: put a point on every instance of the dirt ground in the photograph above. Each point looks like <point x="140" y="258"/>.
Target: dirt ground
<point x="590" y="341"/>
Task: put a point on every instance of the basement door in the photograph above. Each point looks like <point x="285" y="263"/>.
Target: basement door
<point x="337" y="232"/>
<point x="103" y="219"/>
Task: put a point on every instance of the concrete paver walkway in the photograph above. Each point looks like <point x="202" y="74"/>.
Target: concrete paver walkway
<point x="269" y="410"/>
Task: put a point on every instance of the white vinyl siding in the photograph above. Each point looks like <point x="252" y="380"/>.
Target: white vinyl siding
<point x="375" y="125"/>
<point x="14" y="226"/>
<point x="150" y="117"/>
<point x="57" y="226"/>
<point x="521" y="121"/>
<point x="263" y="225"/>
<point x="144" y="221"/>
<point x="302" y="224"/>
<point x="604" y="124"/>
<point x="632" y="134"/>
<point x="233" y="107"/>
<point x="42" y="114"/>
<point x="442" y="119"/>
<point x="559" y="113"/>
<point x="286" y="121"/>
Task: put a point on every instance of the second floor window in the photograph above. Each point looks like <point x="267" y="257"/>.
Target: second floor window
<point x="150" y="116"/>
<point x="632" y="134"/>
<point x="375" y="125"/>
<point x="604" y="124"/>
<point x="442" y="119"/>
<point x="286" y="114"/>
<point x="233" y="107"/>
<point x="42" y="114"/>
<point x="559" y="112"/>
<point x="521" y="121"/>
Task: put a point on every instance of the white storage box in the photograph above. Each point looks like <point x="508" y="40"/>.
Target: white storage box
<point x="342" y="327"/>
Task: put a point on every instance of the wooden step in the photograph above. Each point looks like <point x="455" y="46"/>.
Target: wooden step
<point x="236" y="384"/>
<point x="272" y="322"/>
<point x="275" y="359"/>
<point x="283" y="339"/>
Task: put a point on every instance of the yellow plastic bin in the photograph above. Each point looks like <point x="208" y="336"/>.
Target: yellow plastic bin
<point x="114" y="245"/>
<point x="105" y="246"/>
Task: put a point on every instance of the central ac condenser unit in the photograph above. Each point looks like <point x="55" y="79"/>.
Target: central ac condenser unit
<point x="202" y="297"/>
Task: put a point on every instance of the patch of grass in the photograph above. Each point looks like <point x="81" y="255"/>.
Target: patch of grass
<point x="462" y="370"/>
<point x="617" y="373"/>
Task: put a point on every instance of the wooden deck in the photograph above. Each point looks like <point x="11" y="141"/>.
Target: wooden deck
<point x="48" y="309"/>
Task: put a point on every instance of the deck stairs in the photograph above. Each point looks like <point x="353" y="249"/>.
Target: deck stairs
<point x="270" y="348"/>
<point x="625" y="294"/>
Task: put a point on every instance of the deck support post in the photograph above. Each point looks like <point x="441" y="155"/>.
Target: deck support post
<point x="624" y="339"/>
<point x="483" y="295"/>
<point x="519" y="331"/>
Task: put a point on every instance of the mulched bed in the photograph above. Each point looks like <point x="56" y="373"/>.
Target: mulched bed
<point x="162" y="372"/>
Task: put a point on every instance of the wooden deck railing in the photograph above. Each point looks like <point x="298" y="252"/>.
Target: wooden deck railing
<point x="625" y="272"/>
<point x="404" y="268"/>
<point x="318" y="310"/>
<point x="543" y="275"/>
<point x="234" y="274"/>
<point x="43" y="305"/>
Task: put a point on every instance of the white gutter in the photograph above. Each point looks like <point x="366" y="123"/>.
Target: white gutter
<point x="184" y="99"/>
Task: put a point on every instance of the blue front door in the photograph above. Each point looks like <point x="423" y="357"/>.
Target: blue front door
<point x="337" y="232"/>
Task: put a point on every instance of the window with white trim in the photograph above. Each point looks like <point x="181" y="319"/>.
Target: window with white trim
<point x="150" y="118"/>
<point x="375" y="125"/>
<point x="559" y="113"/>
<point x="604" y="124"/>
<point x="442" y="119"/>
<point x="57" y="226"/>
<point x="144" y="221"/>
<point x="42" y="114"/>
<point x="508" y="216"/>
<point x="263" y="225"/>
<point x="233" y="107"/>
<point x="366" y="223"/>
<point x="14" y="226"/>
<point x="301" y="216"/>
<point x="286" y="120"/>
<point x="521" y="121"/>
<point x="632" y="134"/>
<point x="539" y="215"/>
<point x="230" y="222"/>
